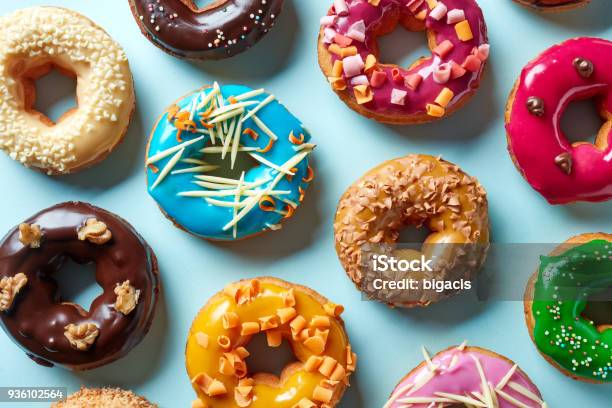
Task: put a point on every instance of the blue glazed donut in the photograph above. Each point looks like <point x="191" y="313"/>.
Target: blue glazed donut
<point x="228" y="120"/>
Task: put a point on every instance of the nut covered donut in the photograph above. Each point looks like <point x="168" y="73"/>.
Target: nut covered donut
<point x="555" y="305"/>
<point x="53" y="331"/>
<point x="104" y="398"/>
<point x="32" y="42"/>
<point x="219" y="30"/>
<point x="416" y="190"/>
<point x="432" y="87"/>
<point x="465" y="376"/>
<point x="217" y="347"/>
<point x="562" y="171"/>
<point x="553" y="5"/>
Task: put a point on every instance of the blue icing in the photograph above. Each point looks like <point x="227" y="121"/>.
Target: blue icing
<point x="202" y="218"/>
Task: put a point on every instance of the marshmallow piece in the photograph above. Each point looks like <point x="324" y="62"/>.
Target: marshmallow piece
<point x="328" y="35"/>
<point x="342" y="40"/>
<point x="329" y="20"/>
<point x="444" y="48"/>
<point x="439" y="11"/>
<point x="353" y="65"/>
<point x="464" y="31"/>
<point x="472" y="63"/>
<point x="360" y="80"/>
<point x="441" y="73"/>
<point x="341" y="7"/>
<point x="357" y="31"/>
<point x="483" y="52"/>
<point x="398" y="97"/>
<point x="455" y="16"/>
<point x="413" y="81"/>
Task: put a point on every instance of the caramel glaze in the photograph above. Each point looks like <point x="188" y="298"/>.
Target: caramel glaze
<point x="220" y="30"/>
<point x="38" y="315"/>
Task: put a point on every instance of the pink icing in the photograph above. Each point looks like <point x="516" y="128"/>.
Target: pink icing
<point x="462" y="377"/>
<point x="416" y="100"/>
<point x="536" y="141"/>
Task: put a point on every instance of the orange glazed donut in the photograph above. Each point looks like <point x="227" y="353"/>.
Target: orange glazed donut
<point x="217" y="347"/>
<point x="32" y="42"/>
<point x="416" y="190"/>
<point x="553" y="5"/>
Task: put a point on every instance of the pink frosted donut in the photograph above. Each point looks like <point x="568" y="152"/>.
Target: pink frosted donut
<point x="561" y="171"/>
<point x="433" y="87"/>
<point x="466" y="376"/>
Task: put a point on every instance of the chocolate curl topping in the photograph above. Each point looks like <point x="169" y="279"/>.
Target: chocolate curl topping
<point x="564" y="161"/>
<point x="535" y="106"/>
<point x="584" y="67"/>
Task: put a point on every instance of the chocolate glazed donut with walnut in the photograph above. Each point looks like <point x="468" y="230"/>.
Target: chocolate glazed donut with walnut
<point x="53" y="331"/>
<point x="219" y="30"/>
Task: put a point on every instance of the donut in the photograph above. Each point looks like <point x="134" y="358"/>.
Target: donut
<point x="218" y="30"/>
<point x="555" y="301"/>
<point x="225" y="122"/>
<point x="54" y="332"/>
<point x="561" y="171"/>
<point x="417" y="190"/>
<point x="432" y="87"/>
<point x="32" y="42"/>
<point x="217" y="347"/>
<point x="553" y="5"/>
<point x="103" y="398"/>
<point x="466" y="376"/>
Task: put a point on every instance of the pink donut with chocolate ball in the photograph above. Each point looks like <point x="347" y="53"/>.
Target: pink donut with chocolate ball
<point x="432" y="87"/>
<point x="563" y="172"/>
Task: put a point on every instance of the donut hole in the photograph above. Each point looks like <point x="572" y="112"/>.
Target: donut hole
<point x="268" y="360"/>
<point x="598" y="309"/>
<point x="76" y="284"/>
<point x="412" y="234"/>
<point x="414" y="47"/>
<point x="48" y="90"/>
<point x="400" y="28"/>
<point x="243" y="163"/>
<point x="581" y="121"/>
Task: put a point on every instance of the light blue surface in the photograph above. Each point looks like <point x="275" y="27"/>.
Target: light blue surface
<point x="386" y="340"/>
<point x="207" y="220"/>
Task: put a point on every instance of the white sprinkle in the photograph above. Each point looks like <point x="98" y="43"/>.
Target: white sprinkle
<point x="171" y="163"/>
<point x="163" y="154"/>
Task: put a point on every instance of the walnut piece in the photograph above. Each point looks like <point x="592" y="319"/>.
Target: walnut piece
<point x="95" y="232"/>
<point x="81" y="336"/>
<point x="127" y="297"/>
<point x="30" y="235"/>
<point x="9" y="288"/>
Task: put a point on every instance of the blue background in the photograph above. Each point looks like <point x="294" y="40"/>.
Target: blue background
<point x="387" y="341"/>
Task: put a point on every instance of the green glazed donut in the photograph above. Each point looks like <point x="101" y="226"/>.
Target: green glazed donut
<point x="555" y="301"/>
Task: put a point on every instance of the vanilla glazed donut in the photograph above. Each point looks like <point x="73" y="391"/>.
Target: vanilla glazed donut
<point x="416" y="190"/>
<point x="561" y="171"/>
<point x="53" y="331"/>
<point x="217" y="347"/>
<point x="228" y="121"/>
<point x="32" y="42"/>
<point x="103" y="398"/>
<point x="432" y="87"/>
<point x="466" y="376"/>
<point x="218" y="30"/>
<point x="555" y="299"/>
<point x="553" y="5"/>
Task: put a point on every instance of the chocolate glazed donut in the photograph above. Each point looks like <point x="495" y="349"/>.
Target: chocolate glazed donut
<point x="219" y="30"/>
<point x="52" y="331"/>
<point x="553" y="5"/>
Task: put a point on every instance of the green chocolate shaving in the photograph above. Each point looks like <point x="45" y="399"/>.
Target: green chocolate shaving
<point x="563" y="287"/>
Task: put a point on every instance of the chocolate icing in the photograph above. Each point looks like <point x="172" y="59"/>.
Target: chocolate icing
<point x="219" y="30"/>
<point x="38" y="316"/>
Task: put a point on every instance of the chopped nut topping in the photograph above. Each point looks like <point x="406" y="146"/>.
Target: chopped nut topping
<point x="95" y="232"/>
<point x="9" y="288"/>
<point x="81" y="336"/>
<point x="30" y="235"/>
<point x="127" y="298"/>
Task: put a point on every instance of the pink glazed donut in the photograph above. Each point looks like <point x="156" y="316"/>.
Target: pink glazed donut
<point x="431" y="88"/>
<point x="561" y="171"/>
<point x="466" y="376"/>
